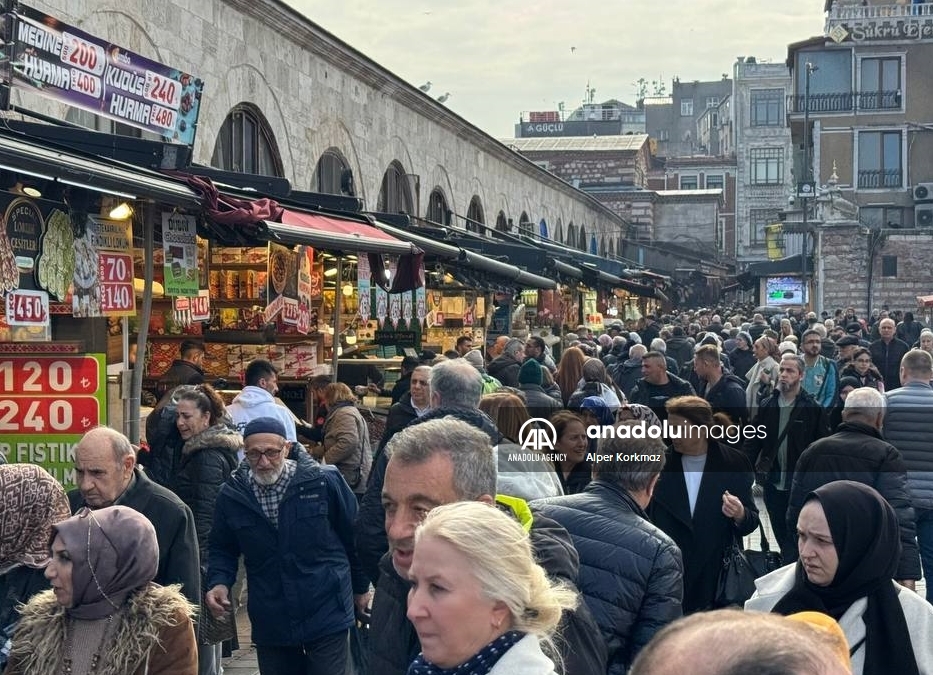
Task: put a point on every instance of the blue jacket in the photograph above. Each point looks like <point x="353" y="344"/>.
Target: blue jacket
<point x="300" y="573"/>
<point x="908" y="426"/>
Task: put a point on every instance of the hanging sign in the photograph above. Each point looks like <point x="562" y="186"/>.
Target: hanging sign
<point x="201" y="306"/>
<point x="27" y="308"/>
<point x="364" y="286"/>
<point x="117" y="292"/>
<point x="180" y="244"/>
<point x="61" y="62"/>
<point x="306" y="272"/>
<point x="25" y="227"/>
<point x="421" y="304"/>
<point x="407" y="308"/>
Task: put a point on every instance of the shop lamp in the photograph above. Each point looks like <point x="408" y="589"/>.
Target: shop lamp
<point x="347" y="290"/>
<point x="332" y="272"/>
<point x="27" y="190"/>
<point x="121" y="211"/>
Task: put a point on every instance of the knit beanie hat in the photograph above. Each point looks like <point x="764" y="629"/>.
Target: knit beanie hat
<point x="746" y="336"/>
<point x="264" y="425"/>
<point x="530" y="372"/>
<point x="475" y="358"/>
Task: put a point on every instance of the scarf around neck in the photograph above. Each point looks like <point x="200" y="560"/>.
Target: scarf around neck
<point x="479" y="664"/>
<point x="31" y="501"/>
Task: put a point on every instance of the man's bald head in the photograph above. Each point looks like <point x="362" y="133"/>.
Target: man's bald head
<point x="732" y="642"/>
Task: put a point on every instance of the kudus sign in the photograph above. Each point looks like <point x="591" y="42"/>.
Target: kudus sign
<point x="61" y="62"/>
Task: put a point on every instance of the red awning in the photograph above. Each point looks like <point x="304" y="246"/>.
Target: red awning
<point x="925" y="300"/>
<point x="336" y="234"/>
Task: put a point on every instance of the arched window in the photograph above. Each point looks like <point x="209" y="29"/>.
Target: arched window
<point x="502" y="223"/>
<point x="571" y="235"/>
<point x="594" y="247"/>
<point x="524" y="224"/>
<point x="475" y="215"/>
<point x="581" y="241"/>
<point x="438" y="211"/>
<point x="332" y="175"/>
<point x="612" y="248"/>
<point x="559" y="236"/>
<point x="602" y="246"/>
<point x="245" y="144"/>
<point x="542" y="229"/>
<point x="395" y="193"/>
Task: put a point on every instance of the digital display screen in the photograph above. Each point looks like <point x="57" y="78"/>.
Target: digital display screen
<point x="784" y="291"/>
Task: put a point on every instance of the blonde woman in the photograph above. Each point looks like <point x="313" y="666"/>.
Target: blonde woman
<point x="478" y="600"/>
<point x="346" y="437"/>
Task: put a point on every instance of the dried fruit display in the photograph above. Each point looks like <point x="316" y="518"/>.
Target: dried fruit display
<point x="57" y="260"/>
<point x="9" y="273"/>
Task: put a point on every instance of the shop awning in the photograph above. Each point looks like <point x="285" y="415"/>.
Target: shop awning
<point x="790" y="265"/>
<point x="335" y="234"/>
<point x="925" y="300"/>
<point x="107" y="176"/>
<point x="641" y="290"/>
<point x="477" y="261"/>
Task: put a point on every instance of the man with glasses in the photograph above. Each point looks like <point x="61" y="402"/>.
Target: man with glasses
<point x="292" y="521"/>
<point x="258" y="398"/>
<point x="820" y="379"/>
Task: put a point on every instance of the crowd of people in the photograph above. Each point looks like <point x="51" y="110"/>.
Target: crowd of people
<point x="458" y="540"/>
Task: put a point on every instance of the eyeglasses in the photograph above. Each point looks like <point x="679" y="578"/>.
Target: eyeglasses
<point x="272" y="454"/>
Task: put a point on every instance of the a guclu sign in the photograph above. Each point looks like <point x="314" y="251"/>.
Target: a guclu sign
<point x="545" y="128"/>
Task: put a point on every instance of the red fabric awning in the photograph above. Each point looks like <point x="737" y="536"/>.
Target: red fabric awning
<point x="336" y="234"/>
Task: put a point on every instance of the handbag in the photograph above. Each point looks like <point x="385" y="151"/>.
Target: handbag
<point x="736" y="581"/>
<point x="212" y="630"/>
<point x="764" y="561"/>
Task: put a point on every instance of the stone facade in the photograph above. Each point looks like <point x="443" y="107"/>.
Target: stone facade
<point x="316" y="94"/>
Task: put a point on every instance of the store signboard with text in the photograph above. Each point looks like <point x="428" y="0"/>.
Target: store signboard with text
<point x="47" y="402"/>
<point x="61" y="62"/>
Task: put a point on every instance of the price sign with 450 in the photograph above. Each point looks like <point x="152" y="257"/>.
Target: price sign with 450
<point x="27" y="308"/>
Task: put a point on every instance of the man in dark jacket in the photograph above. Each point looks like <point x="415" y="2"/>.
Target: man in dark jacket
<point x="184" y="370"/>
<point x="657" y="385"/>
<point x="106" y="474"/>
<point x="505" y="366"/>
<point x="631" y="573"/>
<point x="537" y="401"/>
<point x="627" y="373"/>
<point x="742" y="357"/>
<point x="439" y="462"/>
<point x="302" y="588"/>
<point x="857" y="452"/>
<point x="415" y="403"/>
<point x="908" y="330"/>
<point x="679" y="347"/>
<point x="456" y="388"/>
<point x="908" y="426"/>
<point x="886" y="353"/>
<point x="792" y="420"/>
<point x="724" y="391"/>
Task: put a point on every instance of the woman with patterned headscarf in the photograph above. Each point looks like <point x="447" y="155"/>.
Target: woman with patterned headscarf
<point x="104" y="614"/>
<point x="31" y="501"/>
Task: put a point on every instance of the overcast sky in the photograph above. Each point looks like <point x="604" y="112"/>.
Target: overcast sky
<point x="500" y="58"/>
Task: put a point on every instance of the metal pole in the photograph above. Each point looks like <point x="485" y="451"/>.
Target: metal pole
<point x="338" y="309"/>
<point x="807" y="176"/>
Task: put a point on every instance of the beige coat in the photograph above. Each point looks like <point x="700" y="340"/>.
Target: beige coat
<point x="346" y="446"/>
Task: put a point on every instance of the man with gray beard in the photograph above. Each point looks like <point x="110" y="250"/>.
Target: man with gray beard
<point x="292" y="521"/>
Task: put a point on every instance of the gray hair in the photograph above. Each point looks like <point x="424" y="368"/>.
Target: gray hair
<point x="659" y="345"/>
<point x="457" y="384"/>
<point x="513" y="347"/>
<point x="637" y="351"/>
<point x="864" y="403"/>
<point x="468" y="448"/>
<point x="631" y="463"/>
<point x="798" y="361"/>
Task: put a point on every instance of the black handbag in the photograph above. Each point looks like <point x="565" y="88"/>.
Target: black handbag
<point x="764" y="561"/>
<point x="736" y="578"/>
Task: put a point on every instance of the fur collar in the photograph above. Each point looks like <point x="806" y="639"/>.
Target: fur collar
<point x="218" y="436"/>
<point x="40" y="637"/>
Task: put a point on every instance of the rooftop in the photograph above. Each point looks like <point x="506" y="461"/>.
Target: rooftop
<point x="627" y="143"/>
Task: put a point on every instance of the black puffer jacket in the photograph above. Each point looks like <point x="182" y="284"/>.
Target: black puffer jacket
<point x="680" y="349"/>
<point x="857" y="452"/>
<point x="538" y="402"/>
<point x="394" y="643"/>
<point x="370" y="533"/>
<point x="505" y="369"/>
<point x="207" y="461"/>
<point x="631" y="573"/>
<point x="728" y="396"/>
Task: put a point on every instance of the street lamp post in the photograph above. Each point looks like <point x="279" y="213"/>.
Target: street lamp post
<point x="807" y="178"/>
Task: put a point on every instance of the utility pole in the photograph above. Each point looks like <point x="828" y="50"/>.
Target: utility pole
<point x="803" y="189"/>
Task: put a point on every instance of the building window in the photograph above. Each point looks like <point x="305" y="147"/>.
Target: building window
<point x="758" y="220"/>
<point x="89" y="120"/>
<point x="767" y="107"/>
<point x="889" y="265"/>
<point x="766" y="166"/>
<point x="877" y="217"/>
<point x="880" y="87"/>
<point x="712" y="101"/>
<point x="879" y="160"/>
<point x="475" y="217"/>
<point x="395" y="194"/>
<point x="686" y="107"/>
<point x="331" y="176"/>
<point x="689" y="182"/>
<point x="664" y="134"/>
<point x="715" y="181"/>
<point x="438" y="211"/>
<point x="245" y="144"/>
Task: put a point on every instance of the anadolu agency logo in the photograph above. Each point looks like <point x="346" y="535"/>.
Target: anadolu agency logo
<point x="537" y="435"/>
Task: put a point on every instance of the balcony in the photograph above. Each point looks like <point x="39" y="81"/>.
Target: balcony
<point x="844" y="11"/>
<point x="842" y="102"/>
<point x="879" y="179"/>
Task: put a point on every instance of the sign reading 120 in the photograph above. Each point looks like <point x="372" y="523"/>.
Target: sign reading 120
<point x="43" y="395"/>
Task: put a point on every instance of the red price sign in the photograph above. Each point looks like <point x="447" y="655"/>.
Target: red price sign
<point x="48" y="415"/>
<point x="160" y="89"/>
<point x="201" y="306"/>
<point x="27" y="308"/>
<point x="290" y="311"/>
<point x="80" y="53"/>
<point x="117" y="294"/>
<point x="163" y="117"/>
<point x="53" y="375"/>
